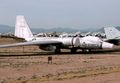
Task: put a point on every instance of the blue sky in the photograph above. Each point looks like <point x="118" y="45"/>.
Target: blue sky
<point x="62" y="13"/>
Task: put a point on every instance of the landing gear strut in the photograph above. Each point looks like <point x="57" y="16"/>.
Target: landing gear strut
<point x="57" y="51"/>
<point x="73" y="50"/>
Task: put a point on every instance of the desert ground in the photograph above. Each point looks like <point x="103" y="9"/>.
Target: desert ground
<point x="29" y="64"/>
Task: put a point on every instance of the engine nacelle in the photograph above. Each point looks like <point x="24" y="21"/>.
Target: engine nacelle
<point x="70" y="41"/>
<point x="48" y="47"/>
<point x="90" y="42"/>
<point x="90" y="45"/>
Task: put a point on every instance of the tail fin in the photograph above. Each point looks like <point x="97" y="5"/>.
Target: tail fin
<point x="112" y="33"/>
<point x="22" y="30"/>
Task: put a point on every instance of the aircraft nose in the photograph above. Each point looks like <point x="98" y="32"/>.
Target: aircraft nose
<point x="107" y="45"/>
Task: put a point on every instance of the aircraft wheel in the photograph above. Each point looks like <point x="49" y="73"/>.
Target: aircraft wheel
<point x="86" y="50"/>
<point x="57" y="51"/>
<point x="90" y="50"/>
<point x="73" y="50"/>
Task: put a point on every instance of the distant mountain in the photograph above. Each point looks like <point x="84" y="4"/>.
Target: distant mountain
<point x="59" y="29"/>
<point x="100" y="30"/>
<point x="6" y="28"/>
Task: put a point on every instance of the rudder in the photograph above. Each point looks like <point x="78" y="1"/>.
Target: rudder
<point x="112" y="33"/>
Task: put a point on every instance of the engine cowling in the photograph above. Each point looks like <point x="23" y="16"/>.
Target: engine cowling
<point x="94" y="43"/>
<point x="90" y="45"/>
<point x="70" y="41"/>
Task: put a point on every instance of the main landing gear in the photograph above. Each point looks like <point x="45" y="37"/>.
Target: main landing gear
<point x="57" y="51"/>
<point x="73" y="50"/>
<point x="86" y="50"/>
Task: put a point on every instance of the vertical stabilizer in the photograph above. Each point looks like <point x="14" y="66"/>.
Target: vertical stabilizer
<point x="22" y="29"/>
<point x="112" y="33"/>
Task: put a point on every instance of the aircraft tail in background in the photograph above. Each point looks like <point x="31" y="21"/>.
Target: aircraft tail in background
<point x="112" y="33"/>
<point x="22" y="29"/>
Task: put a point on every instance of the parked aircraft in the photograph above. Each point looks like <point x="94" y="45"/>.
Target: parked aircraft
<point x="22" y="30"/>
<point x="99" y="34"/>
<point x="42" y="35"/>
<point x="112" y="35"/>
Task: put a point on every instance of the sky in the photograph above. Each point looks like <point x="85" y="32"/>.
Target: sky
<point x="62" y="13"/>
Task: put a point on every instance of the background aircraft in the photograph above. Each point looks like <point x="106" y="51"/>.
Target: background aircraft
<point x="112" y="35"/>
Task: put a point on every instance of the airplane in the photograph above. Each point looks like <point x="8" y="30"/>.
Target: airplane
<point x="55" y="44"/>
<point x="112" y="35"/>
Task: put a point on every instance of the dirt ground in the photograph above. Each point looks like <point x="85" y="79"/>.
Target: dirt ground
<point x="78" y="68"/>
<point x="31" y="66"/>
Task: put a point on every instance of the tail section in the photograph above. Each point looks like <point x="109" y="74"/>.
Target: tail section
<point x="112" y="33"/>
<point x="22" y="29"/>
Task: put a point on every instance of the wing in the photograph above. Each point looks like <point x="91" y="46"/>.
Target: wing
<point x="42" y="42"/>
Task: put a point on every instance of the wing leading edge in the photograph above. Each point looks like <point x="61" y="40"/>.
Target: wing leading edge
<point x="42" y="42"/>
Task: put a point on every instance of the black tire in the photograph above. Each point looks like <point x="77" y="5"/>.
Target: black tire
<point x="57" y="51"/>
<point x="73" y="50"/>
